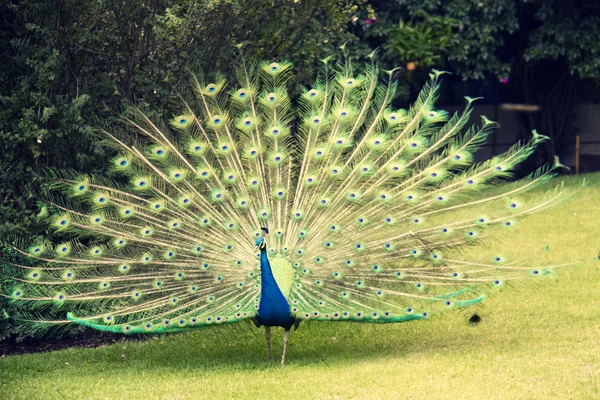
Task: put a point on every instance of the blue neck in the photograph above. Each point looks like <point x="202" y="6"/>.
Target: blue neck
<point x="273" y="309"/>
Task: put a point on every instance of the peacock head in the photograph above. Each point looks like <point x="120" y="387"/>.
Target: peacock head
<point x="263" y="232"/>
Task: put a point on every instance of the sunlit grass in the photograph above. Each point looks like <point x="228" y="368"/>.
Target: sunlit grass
<point x="532" y="343"/>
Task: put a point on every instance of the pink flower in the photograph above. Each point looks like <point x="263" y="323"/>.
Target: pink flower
<point x="504" y="81"/>
<point x="368" y="21"/>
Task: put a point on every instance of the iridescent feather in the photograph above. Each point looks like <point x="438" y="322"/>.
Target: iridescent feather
<point x="365" y="205"/>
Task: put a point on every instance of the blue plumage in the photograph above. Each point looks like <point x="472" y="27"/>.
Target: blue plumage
<point x="273" y="309"/>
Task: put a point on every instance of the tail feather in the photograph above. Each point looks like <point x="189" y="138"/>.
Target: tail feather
<point x="367" y="205"/>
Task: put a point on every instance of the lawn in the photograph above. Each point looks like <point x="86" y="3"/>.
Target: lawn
<point x="537" y="343"/>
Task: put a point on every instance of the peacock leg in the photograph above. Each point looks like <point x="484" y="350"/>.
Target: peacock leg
<point x="286" y="336"/>
<point x="268" y="335"/>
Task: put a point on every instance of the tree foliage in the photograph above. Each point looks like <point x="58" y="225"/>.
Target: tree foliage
<point x="544" y="49"/>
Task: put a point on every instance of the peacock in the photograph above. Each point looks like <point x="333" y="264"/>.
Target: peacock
<point x="254" y="204"/>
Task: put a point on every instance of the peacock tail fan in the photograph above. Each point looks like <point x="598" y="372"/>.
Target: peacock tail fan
<point x="366" y="205"/>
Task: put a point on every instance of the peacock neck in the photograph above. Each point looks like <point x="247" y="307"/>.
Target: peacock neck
<point x="273" y="309"/>
<point x="268" y="282"/>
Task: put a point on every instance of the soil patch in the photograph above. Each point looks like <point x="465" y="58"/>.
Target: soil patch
<point x="85" y="339"/>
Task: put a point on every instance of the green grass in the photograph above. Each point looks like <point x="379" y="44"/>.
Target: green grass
<point x="532" y="343"/>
